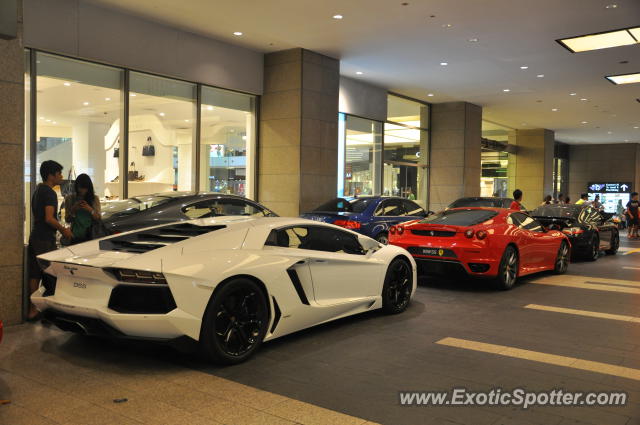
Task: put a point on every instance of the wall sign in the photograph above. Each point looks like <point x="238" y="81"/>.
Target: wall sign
<point x="609" y="187"/>
<point x="8" y="19"/>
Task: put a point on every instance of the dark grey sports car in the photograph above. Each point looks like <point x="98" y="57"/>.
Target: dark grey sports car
<point x="479" y="201"/>
<point x="169" y="207"/>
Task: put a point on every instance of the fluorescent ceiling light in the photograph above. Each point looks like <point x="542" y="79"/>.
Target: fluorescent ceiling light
<point x="506" y="90"/>
<point x="237" y="33"/>
<point x="572" y="94"/>
<point x="444" y="63"/>
<point x="337" y="16"/>
<point x="430" y="95"/>
<point x="540" y="75"/>
<point x="605" y="40"/>
<point x="67" y="84"/>
<point x="624" y="78"/>
<point x="359" y="73"/>
<point x="524" y="67"/>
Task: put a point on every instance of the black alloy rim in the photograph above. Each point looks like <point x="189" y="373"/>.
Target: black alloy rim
<point x="399" y="288"/>
<point x="239" y="321"/>
<point x="562" y="261"/>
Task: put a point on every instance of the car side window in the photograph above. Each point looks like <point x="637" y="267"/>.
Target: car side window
<point x="215" y="207"/>
<point x="390" y="208"/>
<point x="513" y="219"/>
<point x="315" y="239"/>
<point x="528" y="223"/>
<point x="414" y="209"/>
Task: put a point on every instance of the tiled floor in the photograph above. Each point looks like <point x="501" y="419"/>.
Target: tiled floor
<point x="350" y="372"/>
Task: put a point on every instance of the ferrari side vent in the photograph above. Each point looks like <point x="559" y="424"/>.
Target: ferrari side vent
<point x="293" y="275"/>
<point x="159" y="237"/>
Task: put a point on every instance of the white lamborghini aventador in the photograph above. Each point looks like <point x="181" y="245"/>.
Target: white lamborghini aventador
<point x="228" y="282"/>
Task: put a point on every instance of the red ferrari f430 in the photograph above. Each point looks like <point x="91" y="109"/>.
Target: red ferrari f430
<point x="496" y="243"/>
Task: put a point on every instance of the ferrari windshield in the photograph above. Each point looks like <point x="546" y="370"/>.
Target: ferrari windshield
<point x="460" y="217"/>
<point x="356" y="205"/>
<point x="132" y="205"/>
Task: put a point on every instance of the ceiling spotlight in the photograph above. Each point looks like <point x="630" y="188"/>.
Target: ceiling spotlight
<point x="66" y="84"/>
<point x="359" y="72"/>
<point x="430" y="95"/>
<point x="446" y="25"/>
<point x="626" y="140"/>
<point x="609" y="132"/>
<point x="107" y="99"/>
<point x="611" y="6"/>
<point x="337" y="16"/>
<point x="237" y="33"/>
<point x="54" y="122"/>
<point x="209" y="108"/>
<point x="132" y="95"/>
<point x="473" y="40"/>
<point x="186" y="120"/>
<point x="48" y="120"/>
<point x="540" y="75"/>
<point x="584" y="99"/>
<point x="584" y="122"/>
<point x="506" y="90"/>
<point x="524" y="67"/>
<point x="444" y="63"/>
<point x="161" y="114"/>
<point x="85" y="103"/>
<point x="572" y="94"/>
<point x="636" y="127"/>
<point x="554" y="109"/>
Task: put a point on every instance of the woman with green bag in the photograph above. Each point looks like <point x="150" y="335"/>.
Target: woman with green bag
<point x="82" y="210"/>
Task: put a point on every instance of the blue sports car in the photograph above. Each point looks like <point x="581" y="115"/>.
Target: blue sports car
<point x="370" y="215"/>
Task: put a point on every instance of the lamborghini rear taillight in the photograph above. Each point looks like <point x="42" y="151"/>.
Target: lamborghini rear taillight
<point x="137" y="276"/>
<point x="347" y="224"/>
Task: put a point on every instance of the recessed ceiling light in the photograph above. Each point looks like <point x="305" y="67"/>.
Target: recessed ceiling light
<point x="524" y="123"/>
<point x="337" y="16"/>
<point x="506" y="90"/>
<point x="209" y="108"/>
<point x="66" y="84"/>
<point x="585" y="122"/>
<point x="636" y="127"/>
<point x="555" y="109"/>
<point x="444" y="63"/>
<point x="474" y="40"/>
<point x="572" y="94"/>
<point x="359" y="72"/>
<point x="48" y="120"/>
<point x="430" y="95"/>
<point x="446" y="25"/>
<point x="41" y="118"/>
<point x="609" y="132"/>
<point x="540" y="75"/>
<point x="54" y="122"/>
<point x="585" y="43"/>
<point x="626" y="140"/>
<point x="611" y="6"/>
<point x="584" y="99"/>
<point x="85" y="103"/>
<point x="524" y="67"/>
<point x="107" y="99"/>
<point x="132" y="94"/>
<point x="237" y="33"/>
<point x="624" y="78"/>
<point x="161" y="114"/>
<point x="186" y="120"/>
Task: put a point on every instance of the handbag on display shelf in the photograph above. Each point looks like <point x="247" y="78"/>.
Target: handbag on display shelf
<point x="116" y="150"/>
<point x="133" y="173"/>
<point x="149" y="149"/>
<point x="68" y="186"/>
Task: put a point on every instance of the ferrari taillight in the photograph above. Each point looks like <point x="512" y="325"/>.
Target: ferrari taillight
<point x="347" y="224"/>
<point x="481" y="234"/>
<point x="469" y="233"/>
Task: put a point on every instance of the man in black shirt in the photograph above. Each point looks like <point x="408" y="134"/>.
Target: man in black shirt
<point x="44" y="206"/>
<point x="632" y="213"/>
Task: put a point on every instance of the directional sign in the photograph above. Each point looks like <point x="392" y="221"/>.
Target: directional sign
<point x="609" y="187"/>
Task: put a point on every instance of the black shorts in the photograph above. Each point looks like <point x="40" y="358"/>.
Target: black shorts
<point x="37" y="247"/>
<point x="634" y="221"/>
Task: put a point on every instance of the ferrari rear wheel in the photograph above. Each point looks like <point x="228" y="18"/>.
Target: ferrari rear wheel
<point x="398" y="283"/>
<point x="562" y="260"/>
<point x="594" y="249"/>
<point x="615" y="244"/>
<point x="235" y="322"/>
<point x="508" y="269"/>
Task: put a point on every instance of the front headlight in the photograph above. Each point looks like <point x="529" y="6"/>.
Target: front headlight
<point x="137" y="276"/>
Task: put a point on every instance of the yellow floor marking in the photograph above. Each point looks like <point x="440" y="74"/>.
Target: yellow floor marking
<point x="631" y="268"/>
<point x="632" y="251"/>
<point x="586" y="313"/>
<point x="593" y="286"/>
<point x="536" y="356"/>
<point x="588" y="279"/>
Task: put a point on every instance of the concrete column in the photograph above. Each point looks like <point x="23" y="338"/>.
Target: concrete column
<point x="531" y="168"/>
<point x="298" y="148"/>
<point x="12" y="181"/>
<point x="456" y="129"/>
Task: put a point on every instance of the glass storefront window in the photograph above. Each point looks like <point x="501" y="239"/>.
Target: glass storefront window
<point x="162" y="119"/>
<point x="406" y="149"/>
<point x="362" y="156"/>
<point x="78" y="118"/>
<point x="227" y="141"/>
<point x="27" y="146"/>
<point x="494" y="174"/>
